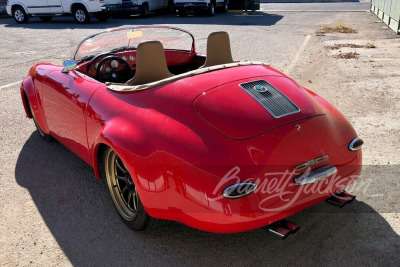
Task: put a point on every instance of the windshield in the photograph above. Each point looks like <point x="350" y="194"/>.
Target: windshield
<point x="127" y="38"/>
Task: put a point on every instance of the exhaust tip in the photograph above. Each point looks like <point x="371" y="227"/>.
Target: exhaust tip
<point x="283" y="228"/>
<point x="356" y="144"/>
<point x="341" y="199"/>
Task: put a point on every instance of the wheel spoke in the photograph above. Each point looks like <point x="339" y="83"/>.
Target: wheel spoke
<point x="135" y="200"/>
<point x="129" y="199"/>
<point x="123" y="190"/>
<point x="120" y="167"/>
<point x="123" y="178"/>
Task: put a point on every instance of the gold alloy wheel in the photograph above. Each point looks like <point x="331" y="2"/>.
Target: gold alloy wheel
<point x="122" y="189"/>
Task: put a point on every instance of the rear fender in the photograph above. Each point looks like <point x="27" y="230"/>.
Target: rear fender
<point x="127" y="141"/>
<point x="92" y="7"/>
<point x="122" y="140"/>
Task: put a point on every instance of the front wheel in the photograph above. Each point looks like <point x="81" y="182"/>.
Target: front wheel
<point x="20" y="15"/>
<point x="81" y="15"/>
<point x="124" y="193"/>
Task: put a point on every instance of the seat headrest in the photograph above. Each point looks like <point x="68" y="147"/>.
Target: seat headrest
<point x="218" y="49"/>
<point x="151" y="65"/>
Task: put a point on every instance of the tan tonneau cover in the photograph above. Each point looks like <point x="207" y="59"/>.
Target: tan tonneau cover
<point x="123" y="87"/>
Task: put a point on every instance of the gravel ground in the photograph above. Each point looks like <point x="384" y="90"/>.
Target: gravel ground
<point x="53" y="211"/>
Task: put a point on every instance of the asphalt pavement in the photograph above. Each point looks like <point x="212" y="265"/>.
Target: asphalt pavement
<point x="54" y="212"/>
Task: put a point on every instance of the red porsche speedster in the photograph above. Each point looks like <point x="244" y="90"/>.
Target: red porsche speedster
<point x="217" y="144"/>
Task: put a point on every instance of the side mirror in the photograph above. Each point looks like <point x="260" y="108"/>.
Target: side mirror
<point x="68" y="64"/>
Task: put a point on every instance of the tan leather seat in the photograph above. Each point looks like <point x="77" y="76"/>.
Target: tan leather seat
<point x="151" y="65"/>
<point x="218" y="49"/>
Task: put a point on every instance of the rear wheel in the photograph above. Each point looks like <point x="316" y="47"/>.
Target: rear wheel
<point x="80" y="14"/>
<point x="124" y="193"/>
<point x="101" y="16"/>
<point x="42" y="135"/>
<point x="211" y="9"/>
<point x="20" y="15"/>
<point x="225" y="8"/>
<point x="145" y="10"/>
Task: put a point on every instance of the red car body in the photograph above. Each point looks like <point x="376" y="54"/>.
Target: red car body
<point x="181" y="141"/>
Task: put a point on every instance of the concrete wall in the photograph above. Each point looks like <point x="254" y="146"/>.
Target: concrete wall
<point x="388" y="11"/>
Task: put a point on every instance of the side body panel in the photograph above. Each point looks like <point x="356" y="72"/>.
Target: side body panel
<point x="65" y="99"/>
<point x="55" y="6"/>
<point x="37" y="6"/>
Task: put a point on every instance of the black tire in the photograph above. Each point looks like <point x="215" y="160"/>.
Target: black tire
<point x="145" y="10"/>
<point x="211" y="10"/>
<point x="171" y="6"/>
<point x="182" y="13"/>
<point x="45" y="18"/>
<point x="80" y="14"/>
<point x="134" y="216"/>
<point x="101" y="16"/>
<point x="42" y="135"/>
<point x="225" y="7"/>
<point x="20" y="15"/>
<point x="116" y="15"/>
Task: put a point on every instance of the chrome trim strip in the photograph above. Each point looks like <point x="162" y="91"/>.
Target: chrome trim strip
<point x="315" y="175"/>
<point x="42" y="6"/>
<point x="311" y="162"/>
<point x="251" y="187"/>
<point x="351" y="145"/>
<point x="136" y="27"/>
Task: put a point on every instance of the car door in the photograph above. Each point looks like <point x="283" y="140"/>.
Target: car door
<point x="55" y="6"/>
<point x="37" y="6"/>
<point x="65" y="99"/>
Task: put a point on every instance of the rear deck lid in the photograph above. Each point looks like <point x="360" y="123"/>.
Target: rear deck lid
<point x="243" y="109"/>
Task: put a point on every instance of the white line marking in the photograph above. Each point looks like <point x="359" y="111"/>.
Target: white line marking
<point x="316" y="10"/>
<point x="9" y="85"/>
<point x="298" y="54"/>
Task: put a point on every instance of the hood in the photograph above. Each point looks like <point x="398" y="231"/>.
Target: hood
<point x="246" y="108"/>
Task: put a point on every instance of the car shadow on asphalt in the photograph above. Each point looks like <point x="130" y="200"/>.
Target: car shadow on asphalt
<point x="67" y="22"/>
<point x="79" y="213"/>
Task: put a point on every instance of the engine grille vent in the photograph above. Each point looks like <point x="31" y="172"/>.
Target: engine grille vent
<point x="276" y="103"/>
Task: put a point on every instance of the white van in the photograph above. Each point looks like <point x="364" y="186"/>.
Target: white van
<point x="21" y="10"/>
<point x="182" y="6"/>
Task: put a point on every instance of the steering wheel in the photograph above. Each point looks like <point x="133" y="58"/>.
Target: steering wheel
<point x="115" y="74"/>
<point x="94" y="59"/>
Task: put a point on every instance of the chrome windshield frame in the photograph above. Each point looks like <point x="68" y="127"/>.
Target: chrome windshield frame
<point x="193" y="47"/>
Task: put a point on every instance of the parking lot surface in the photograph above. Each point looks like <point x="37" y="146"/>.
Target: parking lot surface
<point x="54" y="212"/>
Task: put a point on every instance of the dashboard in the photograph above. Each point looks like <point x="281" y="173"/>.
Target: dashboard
<point x="174" y="58"/>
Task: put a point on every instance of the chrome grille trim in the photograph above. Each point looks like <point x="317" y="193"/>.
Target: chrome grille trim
<point x="276" y="103"/>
